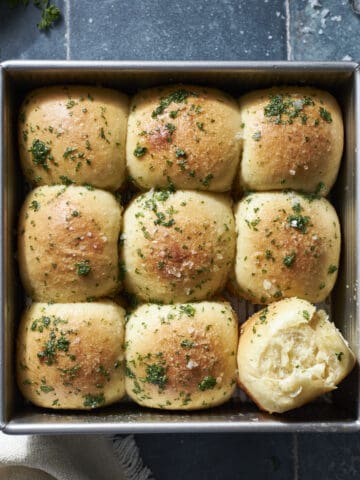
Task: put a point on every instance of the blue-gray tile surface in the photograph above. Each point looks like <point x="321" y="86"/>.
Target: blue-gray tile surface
<point x="329" y="457"/>
<point x="324" y="30"/>
<point x="153" y="29"/>
<point x="20" y="37"/>
<point x="207" y="30"/>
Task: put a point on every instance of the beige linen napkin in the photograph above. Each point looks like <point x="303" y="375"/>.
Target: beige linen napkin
<point x="77" y="457"/>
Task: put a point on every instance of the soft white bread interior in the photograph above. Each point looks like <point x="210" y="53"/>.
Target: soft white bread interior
<point x="183" y="356"/>
<point x="289" y="353"/>
<point x="71" y="356"/>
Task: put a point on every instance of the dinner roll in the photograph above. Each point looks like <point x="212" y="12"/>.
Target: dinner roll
<point x="289" y="353"/>
<point x="292" y="138"/>
<point x="184" y="135"/>
<point x="67" y="247"/>
<point x="177" y="247"/>
<point x="74" y="134"/>
<point x="71" y="355"/>
<point x="181" y="357"/>
<point x="288" y="245"/>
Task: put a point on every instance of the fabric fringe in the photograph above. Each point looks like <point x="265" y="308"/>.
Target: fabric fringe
<point x="127" y="452"/>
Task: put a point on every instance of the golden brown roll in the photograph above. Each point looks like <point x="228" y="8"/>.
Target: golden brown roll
<point x="71" y="355"/>
<point x="74" y="134"/>
<point x="287" y="245"/>
<point x="289" y="353"/>
<point x="67" y="244"/>
<point x="184" y="135"/>
<point x="292" y="138"/>
<point x="181" y="357"/>
<point x="178" y="247"/>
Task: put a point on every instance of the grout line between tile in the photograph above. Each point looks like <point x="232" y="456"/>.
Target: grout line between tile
<point x="288" y="42"/>
<point x="296" y="456"/>
<point x="67" y="24"/>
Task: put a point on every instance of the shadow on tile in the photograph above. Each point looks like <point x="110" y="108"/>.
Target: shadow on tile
<point x="219" y="456"/>
<point x="329" y="456"/>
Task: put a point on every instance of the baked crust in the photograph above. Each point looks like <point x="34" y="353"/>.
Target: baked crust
<point x="177" y="247"/>
<point x="67" y="244"/>
<point x="71" y="356"/>
<point x="287" y="245"/>
<point x="300" y="149"/>
<point x="183" y="356"/>
<point x="74" y="134"/>
<point x="184" y="135"/>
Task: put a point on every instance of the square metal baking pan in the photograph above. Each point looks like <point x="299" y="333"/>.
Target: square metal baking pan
<point x="341" y="413"/>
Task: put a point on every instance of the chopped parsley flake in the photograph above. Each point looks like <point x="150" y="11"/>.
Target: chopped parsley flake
<point x="65" y="180"/>
<point x="93" y="401"/>
<point x="40" y="153"/>
<point x="161" y="220"/>
<point x="339" y="355"/>
<point x="188" y="309"/>
<point x="297" y="207"/>
<point x="207" y="383"/>
<point x="206" y="181"/>
<point x="319" y="188"/>
<point x="48" y="354"/>
<point x="325" y="115"/>
<point x="289" y="260"/>
<point x="156" y="375"/>
<point x="46" y="388"/>
<point x="253" y="223"/>
<point x="140" y="151"/>
<point x="69" y="151"/>
<point x="263" y="314"/>
<point x="70" y="103"/>
<point x="34" y="205"/>
<point x="269" y="255"/>
<point x="180" y="153"/>
<point x="298" y="222"/>
<point x="83" y="268"/>
<point x="332" y="269"/>
<point x="170" y="127"/>
<point x="280" y="106"/>
<point x="50" y="14"/>
<point x="178" y="96"/>
<point x="129" y="373"/>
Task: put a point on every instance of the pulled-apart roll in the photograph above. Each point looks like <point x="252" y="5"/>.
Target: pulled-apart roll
<point x="289" y="353"/>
